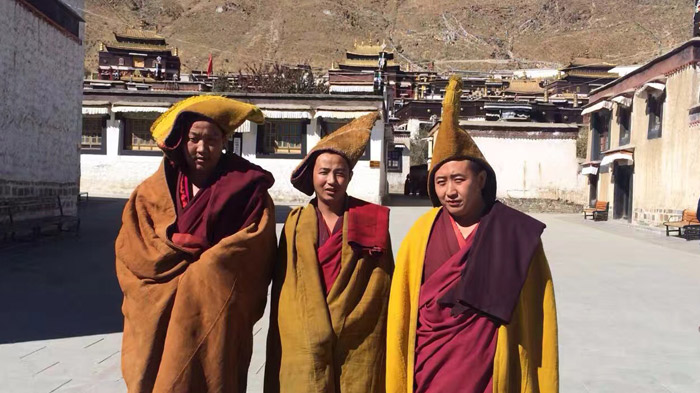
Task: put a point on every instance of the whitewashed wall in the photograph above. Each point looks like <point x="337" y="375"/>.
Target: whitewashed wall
<point x="535" y="168"/>
<point x="397" y="180"/>
<point x="40" y="100"/>
<point x="366" y="182"/>
<point x="117" y="175"/>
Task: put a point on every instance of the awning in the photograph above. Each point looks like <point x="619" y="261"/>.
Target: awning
<point x="351" y="89"/>
<point x="623" y="101"/>
<point x="597" y="107"/>
<point x="507" y="105"/>
<point x="95" y="110"/>
<point x="277" y="114"/>
<point x="654" y="88"/>
<point x="135" y="109"/>
<point x="621" y="156"/>
<point x="589" y="170"/>
<point x="340" y="114"/>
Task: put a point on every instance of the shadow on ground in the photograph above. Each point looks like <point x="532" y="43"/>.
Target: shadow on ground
<point x="63" y="285"/>
<point x="408" y="200"/>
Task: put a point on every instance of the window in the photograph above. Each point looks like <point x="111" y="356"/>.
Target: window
<point x="137" y="135"/>
<point x="121" y="61"/>
<point x="328" y="127"/>
<point x="283" y="138"/>
<point x="393" y="160"/>
<point x="92" y="138"/>
<point x="139" y="62"/>
<point x="600" y="141"/>
<point x="624" y="119"/>
<point x="155" y="63"/>
<point x="655" y="110"/>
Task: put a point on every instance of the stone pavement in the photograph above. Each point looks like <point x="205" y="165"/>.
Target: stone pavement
<point x="627" y="301"/>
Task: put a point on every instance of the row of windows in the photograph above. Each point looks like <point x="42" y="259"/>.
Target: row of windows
<point x="275" y="138"/>
<point x="600" y="125"/>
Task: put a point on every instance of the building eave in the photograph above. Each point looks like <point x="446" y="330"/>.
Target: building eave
<point x="686" y="53"/>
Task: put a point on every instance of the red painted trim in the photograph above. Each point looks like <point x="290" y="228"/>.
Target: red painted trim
<point x="58" y="27"/>
<point x="667" y="64"/>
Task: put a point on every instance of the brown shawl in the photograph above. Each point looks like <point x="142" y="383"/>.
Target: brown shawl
<point x="334" y="343"/>
<point x="188" y="321"/>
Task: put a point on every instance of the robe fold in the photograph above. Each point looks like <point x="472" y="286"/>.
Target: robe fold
<point x="334" y="342"/>
<point x="189" y="313"/>
<point x="454" y="353"/>
<point x="232" y="199"/>
<point x="329" y="253"/>
<point x="525" y="358"/>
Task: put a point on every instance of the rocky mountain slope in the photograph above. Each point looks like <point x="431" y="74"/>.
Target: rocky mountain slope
<point x="455" y="34"/>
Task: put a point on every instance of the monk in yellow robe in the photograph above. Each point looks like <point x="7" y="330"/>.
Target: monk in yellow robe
<point x="194" y="255"/>
<point x="330" y="289"/>
<point x="472" y="303"/>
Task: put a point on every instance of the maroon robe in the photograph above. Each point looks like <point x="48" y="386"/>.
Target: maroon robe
<point x="232" y="199"/>
<point x="368" y="229"/>
<point x="330" y="245"/>
<point x="454" y="353"/>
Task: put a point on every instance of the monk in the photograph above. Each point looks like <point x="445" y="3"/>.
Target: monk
<point x="472" y="304"/>
<point x="330" y="289"/>
<point x="194" y="255"/>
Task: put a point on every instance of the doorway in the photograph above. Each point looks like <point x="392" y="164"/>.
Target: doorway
<point x="592" y="190"/>
<point x="622" y="208"/>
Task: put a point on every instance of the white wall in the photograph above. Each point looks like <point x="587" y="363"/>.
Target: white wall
<point x="40" y="100"/>
<point x="366" y="181"/>
<point x="114" y="175"/>
<point x="534" y="168"/>
<point x="397" y="180"/>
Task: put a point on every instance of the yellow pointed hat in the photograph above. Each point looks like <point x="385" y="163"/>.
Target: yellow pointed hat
<point x="350" y="141"/>
<point x="226" y="113"/>
<point x="453" y="143"/>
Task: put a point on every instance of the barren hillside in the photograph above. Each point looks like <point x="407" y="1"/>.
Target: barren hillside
<point x="456" y="34"/>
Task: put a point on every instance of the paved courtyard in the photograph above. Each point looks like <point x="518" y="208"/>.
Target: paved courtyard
<point x="628" y="302"/>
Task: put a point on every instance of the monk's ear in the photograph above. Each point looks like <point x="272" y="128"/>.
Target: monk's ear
<point x="482" y="179"/>
<point x="350" y="176"/>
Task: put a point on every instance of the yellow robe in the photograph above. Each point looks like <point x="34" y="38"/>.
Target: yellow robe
<point x="332" y="344"/>
<point x="526" y="358"/>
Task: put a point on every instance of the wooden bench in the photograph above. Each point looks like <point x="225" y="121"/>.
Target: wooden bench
<point x="597" y="213"/>
<point x="688" y="227"/>
<point x="10" y="225"/>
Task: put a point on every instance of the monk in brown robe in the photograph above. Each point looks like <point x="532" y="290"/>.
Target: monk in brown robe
<point x="194" y="255"/>
<point x="331" y="285"/>
<point x="472" y="303"/>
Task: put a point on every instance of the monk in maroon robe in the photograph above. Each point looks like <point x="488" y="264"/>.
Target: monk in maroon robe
<point x="472" y="303"/>
<point x="195" y="255"/>
<point x="331" y="285"/>
<point x="470" y="335"/>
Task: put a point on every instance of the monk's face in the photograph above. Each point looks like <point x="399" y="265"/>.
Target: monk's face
<point x="205" y="141"/>
<point x="332" y="175"/>
<point x="458" y="186"/>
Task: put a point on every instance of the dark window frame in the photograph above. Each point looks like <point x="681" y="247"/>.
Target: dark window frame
<point x="259" y="140"/>
<point x="600" y="133"/>
<point x="655" y="113"/>
<point x="389" y="159"/>
<point x="123" y="151"/>
<point x="103" y="146"/>
<point x="323" y="125"/>
<point x="624" y="119"/>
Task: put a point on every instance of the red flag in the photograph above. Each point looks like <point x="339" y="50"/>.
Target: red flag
<point x="210" y="67"/>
